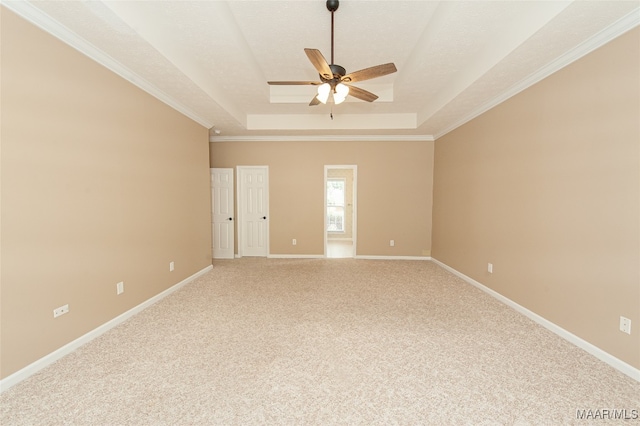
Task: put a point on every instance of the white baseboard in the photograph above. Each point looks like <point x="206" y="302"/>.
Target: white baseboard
<point x="393" y="257"/>
<point x="321" y="256"/>
<point x="296" y="256"/>
<point x="616" y="363"/>
<point x="43" y="362"/>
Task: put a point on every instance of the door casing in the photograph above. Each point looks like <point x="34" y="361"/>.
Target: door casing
<point x="354" y="201"/>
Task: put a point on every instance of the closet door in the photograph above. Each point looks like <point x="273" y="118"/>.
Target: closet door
<point x="222" y="213"/>
<point x="253" y="211"/>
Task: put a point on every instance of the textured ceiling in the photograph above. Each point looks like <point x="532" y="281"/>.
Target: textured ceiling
<point x="211" y="59"/>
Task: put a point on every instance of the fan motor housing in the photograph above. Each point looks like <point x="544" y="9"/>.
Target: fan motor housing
<point x="338" y="73"/>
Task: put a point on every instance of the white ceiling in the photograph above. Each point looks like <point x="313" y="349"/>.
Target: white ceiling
<point x="211" y="59"/>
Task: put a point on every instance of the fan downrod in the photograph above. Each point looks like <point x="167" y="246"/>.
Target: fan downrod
<point x="332" y="5"/>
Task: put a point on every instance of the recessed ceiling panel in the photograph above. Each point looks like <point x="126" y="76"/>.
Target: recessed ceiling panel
<point x="211" y="60"/>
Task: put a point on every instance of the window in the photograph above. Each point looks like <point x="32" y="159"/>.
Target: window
<point x="335" y="205"/>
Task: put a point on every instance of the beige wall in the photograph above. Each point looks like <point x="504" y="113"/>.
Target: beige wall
<point x="103" y="183"/>
<point x="394" y="192"/>
<point x="100" y="183"/>
<point x="546" y="187"/>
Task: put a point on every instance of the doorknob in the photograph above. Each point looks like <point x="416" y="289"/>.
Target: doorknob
<point x="230" y="218"/>
<point x="264" y="217"/>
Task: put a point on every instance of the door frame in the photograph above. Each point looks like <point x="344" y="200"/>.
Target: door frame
<point x="354" y="207"/>
<point x="239" y="205"/>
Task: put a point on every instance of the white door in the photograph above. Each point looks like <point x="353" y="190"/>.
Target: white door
<point x="253" y="210"/>
<point x="222" y="213"/>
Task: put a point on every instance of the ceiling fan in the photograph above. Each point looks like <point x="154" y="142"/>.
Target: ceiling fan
<point x="334" y="79"/>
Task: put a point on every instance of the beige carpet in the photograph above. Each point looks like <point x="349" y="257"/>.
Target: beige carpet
<point x="324" y="342"/>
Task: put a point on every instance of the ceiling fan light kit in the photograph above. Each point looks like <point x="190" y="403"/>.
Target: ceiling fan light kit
<point x="340" y="93"/>
<point x="334" y="82"/>
<point x="323" y="92"/>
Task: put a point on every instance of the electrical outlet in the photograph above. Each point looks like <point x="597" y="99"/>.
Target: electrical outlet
<point x="60" y="311"/>
<point x="120" y="287"/>
<point x="392" y="243"/>
<point x="490" y="268"/>
<point x="172" y="266"/>
<point x="294" y="242"/>
<point x="625" y="325"/>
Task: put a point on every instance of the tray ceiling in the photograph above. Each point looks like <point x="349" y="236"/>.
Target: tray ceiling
<point x="211" y="59"/>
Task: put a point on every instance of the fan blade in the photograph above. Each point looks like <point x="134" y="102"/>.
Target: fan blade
<point x="369" y="73"/>
<point x="294" y="83"/>
<point x="359" y="93"/>
<point x="314" y="101"/>
<point x="319" y="62"/>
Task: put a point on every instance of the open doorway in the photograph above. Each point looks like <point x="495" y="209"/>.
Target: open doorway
<point x="340" y="211"/>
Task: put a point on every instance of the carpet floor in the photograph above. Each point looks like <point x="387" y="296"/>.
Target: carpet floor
<point x="325" y="342"/>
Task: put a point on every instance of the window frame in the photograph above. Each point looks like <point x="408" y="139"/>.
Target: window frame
<point x="343" y="206"/>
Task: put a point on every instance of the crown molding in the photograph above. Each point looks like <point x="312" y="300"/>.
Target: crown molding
<point x="325" y="138"/>
<point x="34" y="15"/>
<point x="321" y="122"/>
<point x="38" y="18"/>
<point x="621" y="26"/>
